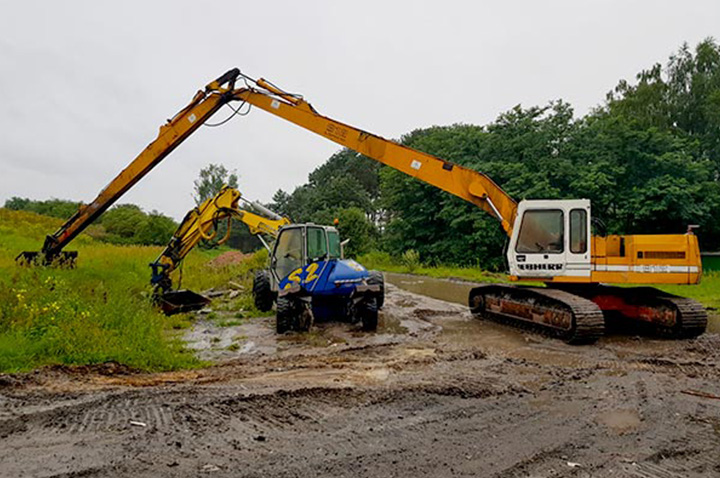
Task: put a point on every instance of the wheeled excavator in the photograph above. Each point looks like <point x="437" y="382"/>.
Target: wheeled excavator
<point x="549" y="240"/>
<point x="308" y="277"/>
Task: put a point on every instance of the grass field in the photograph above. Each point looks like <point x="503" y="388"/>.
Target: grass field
<point x="97" y="312"/>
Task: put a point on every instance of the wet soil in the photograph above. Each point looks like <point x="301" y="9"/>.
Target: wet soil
<point x="433" y="393"/>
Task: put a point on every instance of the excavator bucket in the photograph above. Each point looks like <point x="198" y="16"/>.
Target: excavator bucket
<point x="66" y="259"/>
<point x="178" y="301"/>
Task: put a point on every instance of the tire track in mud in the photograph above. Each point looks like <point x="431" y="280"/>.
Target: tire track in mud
<point x="172" y="409"/>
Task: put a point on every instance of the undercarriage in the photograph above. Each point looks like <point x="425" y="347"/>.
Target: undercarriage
<point x="579" y="313"/>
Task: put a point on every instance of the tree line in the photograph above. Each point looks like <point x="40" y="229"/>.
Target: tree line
<point x="648" y="158"/>
<point x="122" y="224"/>
<point x="129" y="224"/>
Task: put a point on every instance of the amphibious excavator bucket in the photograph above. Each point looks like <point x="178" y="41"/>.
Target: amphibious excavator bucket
<point x="178" y="301"/>
<point x="65" y="259"/>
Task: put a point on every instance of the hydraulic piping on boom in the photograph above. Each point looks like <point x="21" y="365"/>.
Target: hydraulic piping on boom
<point x="201" y="224"/>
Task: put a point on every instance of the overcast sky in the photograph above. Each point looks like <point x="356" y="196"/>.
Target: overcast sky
<point x="84" y="86"/>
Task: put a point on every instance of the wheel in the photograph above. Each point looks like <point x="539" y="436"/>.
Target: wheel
<point x="293" y="314"/>
<point x="304" y="317"/>
<point x="285" y="316"/>
<point x="376" y="277"/>
<point x="262" y="292"/>
<point x="369" y="314"/>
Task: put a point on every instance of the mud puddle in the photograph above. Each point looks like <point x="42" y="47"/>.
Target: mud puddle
<point x="222" y="338"/>
<point x="443" y="289"/>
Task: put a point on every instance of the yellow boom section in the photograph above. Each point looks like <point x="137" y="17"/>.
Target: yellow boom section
<point x="203" y="105"/>
<point x="465" y="183"/>
<point x="201" y="224"/>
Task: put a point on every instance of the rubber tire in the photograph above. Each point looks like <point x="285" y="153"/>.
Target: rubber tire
<point x="369" y="314"/>
<point x="304" y="318"/>
<point x="376" y="277"/>
<point x="285" y="316"/>
<point x="262" y="292"/>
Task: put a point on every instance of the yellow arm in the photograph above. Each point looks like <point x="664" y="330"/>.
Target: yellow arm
<point x="201" y="224"/>
<point x="465" y="183"/>
<point x="470" y="185"/>
<point x="203" y="105"/>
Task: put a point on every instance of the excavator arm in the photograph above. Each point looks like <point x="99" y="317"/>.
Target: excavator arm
<point x="468" y="184"/>
<point x="201" y="224"/>
<point x="203" y="105"/>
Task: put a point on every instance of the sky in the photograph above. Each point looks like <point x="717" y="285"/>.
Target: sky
<point x="85" y="85"/>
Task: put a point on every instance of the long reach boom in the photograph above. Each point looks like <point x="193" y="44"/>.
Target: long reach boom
<point x="470" y="185"/>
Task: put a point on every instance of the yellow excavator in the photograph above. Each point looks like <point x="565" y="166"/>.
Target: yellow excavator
<point x="201" y="224"/>
<point x="550" y="240"/>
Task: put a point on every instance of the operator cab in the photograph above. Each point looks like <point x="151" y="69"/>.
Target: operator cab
<point x="551" y="238"/>
<point x="298" y="245"/>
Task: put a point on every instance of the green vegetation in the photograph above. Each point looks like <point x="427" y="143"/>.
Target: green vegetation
<point x="98" y="312"/>
<point x="384" y="262"/>
<point x="122" y="224"/>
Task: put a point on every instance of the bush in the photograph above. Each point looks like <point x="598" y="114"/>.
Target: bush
<point x="411" y="259"/>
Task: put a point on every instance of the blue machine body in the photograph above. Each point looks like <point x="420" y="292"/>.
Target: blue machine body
<point x="330" y="283"/>
<point x="307" y="262"/>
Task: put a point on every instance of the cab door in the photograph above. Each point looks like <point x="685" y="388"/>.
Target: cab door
<point x="578" y="253"/>
<point x="289" y="252"/>
<point x="551" y="238"/>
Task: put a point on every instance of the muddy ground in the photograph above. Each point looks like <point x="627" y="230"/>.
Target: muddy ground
<point x="433" y="393"/>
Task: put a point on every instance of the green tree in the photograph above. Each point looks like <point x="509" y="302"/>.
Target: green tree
<point x="210" y="180"/>
<point x="353" y="224"/>
<point x="123" y="222"/>
<point x="52" y="207"/>
<point x="157" y="229"/>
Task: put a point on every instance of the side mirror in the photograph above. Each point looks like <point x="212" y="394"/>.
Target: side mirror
<point x="342" y="248"/>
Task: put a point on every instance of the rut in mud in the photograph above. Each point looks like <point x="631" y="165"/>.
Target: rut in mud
<point x="433" y="393"/>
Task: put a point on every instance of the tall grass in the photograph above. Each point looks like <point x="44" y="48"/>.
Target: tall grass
<point x="97" y="312"/>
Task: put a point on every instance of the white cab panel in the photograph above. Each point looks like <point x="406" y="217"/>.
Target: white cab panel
<point x="551" y="238"/>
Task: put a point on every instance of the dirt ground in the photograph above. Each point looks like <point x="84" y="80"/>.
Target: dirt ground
<point x="433" y="393"/>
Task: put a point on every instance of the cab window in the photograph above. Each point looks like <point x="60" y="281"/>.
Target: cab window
<point x="578" y="231"/>
<point x="333" y="244"/>
<point x="541" y="232"/>
<point x="288" y="252"/>
<point x="316" y="244"/>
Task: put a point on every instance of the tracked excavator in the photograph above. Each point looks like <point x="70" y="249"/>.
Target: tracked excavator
<point x="549" y="240"/>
